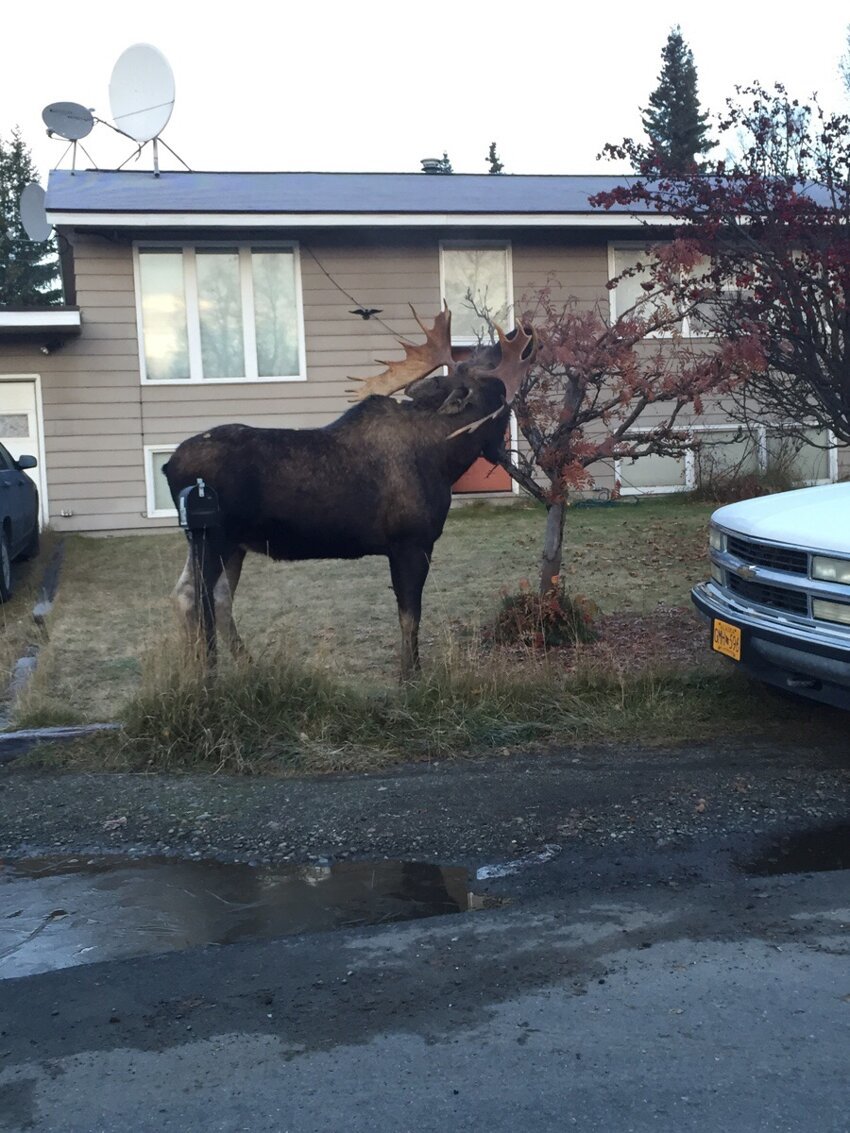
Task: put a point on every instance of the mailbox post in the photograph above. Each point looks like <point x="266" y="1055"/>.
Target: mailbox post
<point x="198" y="513"/>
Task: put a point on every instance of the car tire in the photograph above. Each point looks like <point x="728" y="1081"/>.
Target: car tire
<point x="5" y="567"/>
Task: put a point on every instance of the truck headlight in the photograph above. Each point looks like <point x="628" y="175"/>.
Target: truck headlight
<point x="831" y="570"/>
<point x="831" y="611"/>
<point x="716" y="539"/>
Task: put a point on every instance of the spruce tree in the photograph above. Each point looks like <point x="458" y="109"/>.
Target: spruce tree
<point x="28" y="271"/>
<point x="673" y="120"/>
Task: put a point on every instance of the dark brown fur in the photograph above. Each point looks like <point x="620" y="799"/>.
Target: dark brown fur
<point x="377" y="481"/>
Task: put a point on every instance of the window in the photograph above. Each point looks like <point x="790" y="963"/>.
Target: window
<point x="14" y="425"/>
<point x="478" y="274"/>
<point x="725" y="453"/>
<point x="158" y="495"/>
<point x="629" y="292"/>
<point x="720" y="450"/>
<point x="651" y="474"/>
<point x="220" y="313"/>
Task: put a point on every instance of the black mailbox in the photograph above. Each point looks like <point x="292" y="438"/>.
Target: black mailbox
<point x="197" y="507"/>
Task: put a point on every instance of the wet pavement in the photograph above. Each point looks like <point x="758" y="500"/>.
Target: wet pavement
<point x="57" y="912"/>
<point x="806" y="851"/>
<point x="671" y="957"/>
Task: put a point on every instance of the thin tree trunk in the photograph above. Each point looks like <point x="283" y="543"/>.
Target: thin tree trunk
<point x="553" y="546"/>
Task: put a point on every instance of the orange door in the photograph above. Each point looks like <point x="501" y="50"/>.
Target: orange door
<point x="483" y="477"/>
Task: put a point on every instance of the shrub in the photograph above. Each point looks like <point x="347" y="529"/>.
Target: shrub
<point x="543" y="621"/>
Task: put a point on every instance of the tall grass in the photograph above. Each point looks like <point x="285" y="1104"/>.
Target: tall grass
<point x="278" y="715"/>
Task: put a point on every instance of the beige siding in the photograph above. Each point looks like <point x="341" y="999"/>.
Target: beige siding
<point x="99" y="416"/>
<point x="577" y="270"/>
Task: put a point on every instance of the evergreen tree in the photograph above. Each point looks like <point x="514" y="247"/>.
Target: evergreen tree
<point x="496" y="165"/>
<point x="28" y="271"/>
<point x="673" y="120"/>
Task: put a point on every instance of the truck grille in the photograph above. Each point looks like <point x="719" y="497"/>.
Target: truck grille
<point x="775" y="558"/>
<point x="777" y="597"/>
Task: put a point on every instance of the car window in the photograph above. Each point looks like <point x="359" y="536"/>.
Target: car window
<point x="6" y="461"/>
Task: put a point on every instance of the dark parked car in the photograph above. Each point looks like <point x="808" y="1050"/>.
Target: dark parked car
<point x="18" y="516"/>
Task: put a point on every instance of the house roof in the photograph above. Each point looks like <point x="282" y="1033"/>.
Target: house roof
<point x="179" y="199"/>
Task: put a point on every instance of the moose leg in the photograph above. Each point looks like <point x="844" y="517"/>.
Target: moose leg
<point x="409" y="566"/>
<point x="186" y="605"/>
<point x="225" y="589"/>
<point x="183" y="597"/>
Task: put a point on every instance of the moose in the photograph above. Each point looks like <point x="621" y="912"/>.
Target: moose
<point x="377" y="481"/>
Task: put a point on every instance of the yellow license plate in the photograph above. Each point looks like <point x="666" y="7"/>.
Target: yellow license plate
<point x="726" y="639"/>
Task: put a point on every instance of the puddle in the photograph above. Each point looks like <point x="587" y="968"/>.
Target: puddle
<point x="812" y="851"/>
<point x="57" y="912"/>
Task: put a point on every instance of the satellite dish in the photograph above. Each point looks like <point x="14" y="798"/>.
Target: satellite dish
<point x="68" y="119"/>
<point x="141" y="92"/>
<point x="33" y="217"/>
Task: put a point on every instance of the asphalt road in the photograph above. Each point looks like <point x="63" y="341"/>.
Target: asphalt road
<point x="680" y="962"/>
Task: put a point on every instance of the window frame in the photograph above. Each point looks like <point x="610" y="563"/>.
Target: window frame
<point x="152" y="511"/>
<point x="689" y="432"/>
<point x="471" y="340"/>
<point x="484" y="245"/>
<point x="188" y="248"/>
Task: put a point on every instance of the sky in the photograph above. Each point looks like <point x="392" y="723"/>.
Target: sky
<point x="378" y="86"/>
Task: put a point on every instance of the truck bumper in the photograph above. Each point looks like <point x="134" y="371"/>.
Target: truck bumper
<point x="791" y="657"/>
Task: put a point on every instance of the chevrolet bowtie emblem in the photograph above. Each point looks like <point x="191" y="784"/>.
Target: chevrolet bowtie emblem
<point x="745" y="571"/>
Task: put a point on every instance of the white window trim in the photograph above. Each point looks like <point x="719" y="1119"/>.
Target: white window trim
<point x="690" y="432"/>
<point x="188" y="248"/>
<point x="467" y="245"/>
<point x="152" y="511"/>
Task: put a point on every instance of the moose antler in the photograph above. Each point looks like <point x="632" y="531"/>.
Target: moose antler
<point x="518" y="349"/>
<point x="418" y="360"/>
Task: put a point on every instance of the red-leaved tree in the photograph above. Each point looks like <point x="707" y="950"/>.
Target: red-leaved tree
<point x="764" y="243"/>
<point x="602" y="389"/>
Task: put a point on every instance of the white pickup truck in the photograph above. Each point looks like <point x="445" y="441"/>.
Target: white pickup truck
<point x="778" y="600"/>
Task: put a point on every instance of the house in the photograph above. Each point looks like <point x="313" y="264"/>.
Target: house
<point x="194" y="299"/>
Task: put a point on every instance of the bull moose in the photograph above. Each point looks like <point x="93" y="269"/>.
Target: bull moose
<point x="377" y="481"/>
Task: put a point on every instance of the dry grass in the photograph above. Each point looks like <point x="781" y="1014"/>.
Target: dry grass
<point x="18" y="631"/>
<point x="321" y="693"/>
<point x="113" y="607"/>
<point x="281" y="717"/>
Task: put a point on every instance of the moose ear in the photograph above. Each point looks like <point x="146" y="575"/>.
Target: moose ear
<point x="457" y="400"/>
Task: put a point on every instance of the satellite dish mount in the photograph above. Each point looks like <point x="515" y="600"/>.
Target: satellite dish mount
<point x="71" y="121"/>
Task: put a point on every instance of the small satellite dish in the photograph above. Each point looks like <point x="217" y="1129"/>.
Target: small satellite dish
<point x="68" y="119"/>
<point x="141" y="92"/>
<point x="33" y="217"/>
